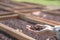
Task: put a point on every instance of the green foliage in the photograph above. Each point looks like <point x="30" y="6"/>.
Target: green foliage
<point x="45" y="2"/>
<point x="53" y="0"/>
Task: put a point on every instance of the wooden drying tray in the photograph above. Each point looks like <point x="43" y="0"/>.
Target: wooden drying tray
<point x="6" y="8"/>
<point x="53" y="12"/>
<point x="14" y="6"/>
<point x="29" y="4"/>
<point x="6" y="13"/>
<point x="7" y="5"/>
<point x="35" y="19"/>
<point x="17" y="34"/>
<point x="19" y="9"/>
<point x="9" y="16"/>
<point x="38" y="20"/>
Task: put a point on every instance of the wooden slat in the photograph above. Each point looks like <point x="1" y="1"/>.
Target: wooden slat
<point x="5" y="13"/>
<point x="51" y="12"/>
<point x="6" y="8"/>
<point x="7" y="5"/>
<point x="11" y="6"/>
<point x="35" y="19"/>
<point x="14" y="33"/>
<point x="19" y="7"/>
<point x="9" y="16"/>
<point x="28" y="4"/>
<point x="28" y="11"/>
<point x="32" y="4"/>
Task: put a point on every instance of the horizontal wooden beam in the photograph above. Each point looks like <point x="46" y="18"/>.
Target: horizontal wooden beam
<point x="9" y="16"/>
<point x="14" y="33"/>
<point x="29" y="4"/>
<point x="6" y="8"/>
<point x="51" y="12"/>
<point x="35" y="19"/>
<point x="15" y="6"/>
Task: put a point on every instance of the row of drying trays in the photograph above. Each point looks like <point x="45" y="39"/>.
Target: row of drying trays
<point x="35" y="13"/>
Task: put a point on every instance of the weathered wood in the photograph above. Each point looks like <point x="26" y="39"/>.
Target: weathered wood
<point x="20" y="11"/>
<point x="28" y="4"/>
<point x="6" y="1"/>
<point x="19" y="7"/>
<point x="27" y="11"/>
<point x="5" y="13"/>
<point x="9" y="16"/>
<point x="39" y="19"/>
<point x="7" y="5"/>
<point x="35" y="19"/>
<point x="52" y="12"/>
<point x="6" y="8"/>
<point x="14" y="33"/>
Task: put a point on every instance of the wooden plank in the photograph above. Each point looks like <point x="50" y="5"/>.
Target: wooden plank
<point x="9" y="16"/>
<point x="6" y="1"/>
<point x="28" y="4"/>
<point x="22" y="8"/>
<point x="11" y="6"/>
<point x="5" y="13"/>
<point x="6" y="8"/>
<point x="41" y="19"/>
<point x="51" y="12"/>
<point x="35" y="19"/>
<point x="28" y="11"/>
<point x="19" y="7"/>
<point x="7" y="5"/>
<point x="25" y="8"/>
<point x="14" y="33"/>
<point x="32" y="4"/>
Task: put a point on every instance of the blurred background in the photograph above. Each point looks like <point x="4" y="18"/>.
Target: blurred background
<point x="45" y="2"/>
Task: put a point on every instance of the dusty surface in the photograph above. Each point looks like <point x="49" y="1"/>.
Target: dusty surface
<point x="21" y="24"/>
<point x="5" y="36"/>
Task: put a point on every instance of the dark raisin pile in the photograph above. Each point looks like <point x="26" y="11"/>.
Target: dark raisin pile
<point x="37" y="27"/>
